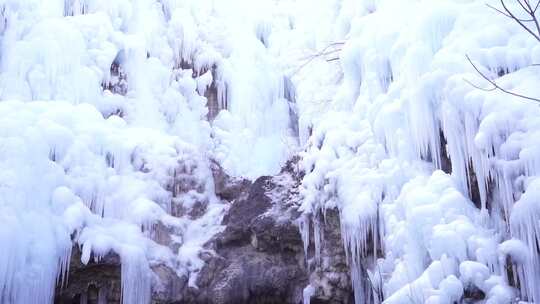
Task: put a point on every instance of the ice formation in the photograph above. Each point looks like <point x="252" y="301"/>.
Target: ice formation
<point x="112" y="112"/>
<point x="397" y="112"/>
<point x="106" y="133"/>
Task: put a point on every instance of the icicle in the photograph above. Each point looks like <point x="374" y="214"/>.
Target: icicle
<point x="424" y="125"/>
<point x="465" y="155"/>
<point x="318" y="237"/>
<point x="222" y="94"/>
<point x="355" y="239"/>
<point x="136" y="278"/>
<point x="307" y="293"/>
<point x="304" y="227"/>
<point x="357" y="282"/>
<point x="524" y="225"/>
<point x="63" y="264"/>
<point x="75" y="7"/>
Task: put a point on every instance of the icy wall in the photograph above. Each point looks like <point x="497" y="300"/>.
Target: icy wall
<point x="113" y="111"/>
<point x="106" y="135"/>
<point x="436" y="181"/>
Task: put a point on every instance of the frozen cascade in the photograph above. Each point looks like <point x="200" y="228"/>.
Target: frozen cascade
<point x="397" y="109"/>
<point x="105" y="133"/>
<point x="113" y="113"/>
<point x="136" y="277"/>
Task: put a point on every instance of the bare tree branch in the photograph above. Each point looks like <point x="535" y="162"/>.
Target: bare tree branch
<point x="522" y="6"/>
<point x="508" y="13"/>
<point x="321" y="53"/>
<point x="478" y="87"/>
<point x="505" y="11"/>
<point x="505" y="14"/>
<point x="532" y="13"/>
<point x="494" y="84"/>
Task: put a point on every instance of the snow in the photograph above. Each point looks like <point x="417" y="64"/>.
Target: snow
<point x="105" y="134"/>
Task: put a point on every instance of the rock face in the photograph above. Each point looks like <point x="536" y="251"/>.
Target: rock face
<point x="331" y="275"/>
<point x="96" y="282"/>
<point x="258" y="258"/>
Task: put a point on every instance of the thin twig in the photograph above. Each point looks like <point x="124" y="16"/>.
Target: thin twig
<point x="478" y="87"/>
<point x="521" y="23"/>
<point x="532" y="13"/>
<point x="523" y="6"/>
<point x="323" y="52"/>
<point x="494" y="84"/>
<point x="505" y="14"/>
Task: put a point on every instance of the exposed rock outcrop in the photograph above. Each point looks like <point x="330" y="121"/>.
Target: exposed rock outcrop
<point x="258" y="258"/>
<point x="96" y="282"/>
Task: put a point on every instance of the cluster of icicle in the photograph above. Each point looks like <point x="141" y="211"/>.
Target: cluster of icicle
<point x="436" y="181"/>
<point x="105" y="133"/>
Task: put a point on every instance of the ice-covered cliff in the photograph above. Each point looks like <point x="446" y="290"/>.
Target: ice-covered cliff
<point x="436" y="180"/>
<point x="106" y="133"/>
<point x="131" y="132"/>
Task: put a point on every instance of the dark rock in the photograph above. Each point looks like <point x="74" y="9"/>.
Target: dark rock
<point x="243" y="212"/>
<point x="474" y="189"/>
<point x="259" y="256"/>
<point x="446" y="162"/>
<point x="242" y="274"/>
<point x="169" y="287"/>
<point x="226" y="187"/>
<point x="473" y="294"/>
<point x="118" y="83"/>
<point x="96" y="280"/>
<point x="270" y="236"/>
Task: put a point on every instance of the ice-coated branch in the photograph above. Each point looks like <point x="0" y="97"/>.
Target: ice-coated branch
<point x="495" y="86"/>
